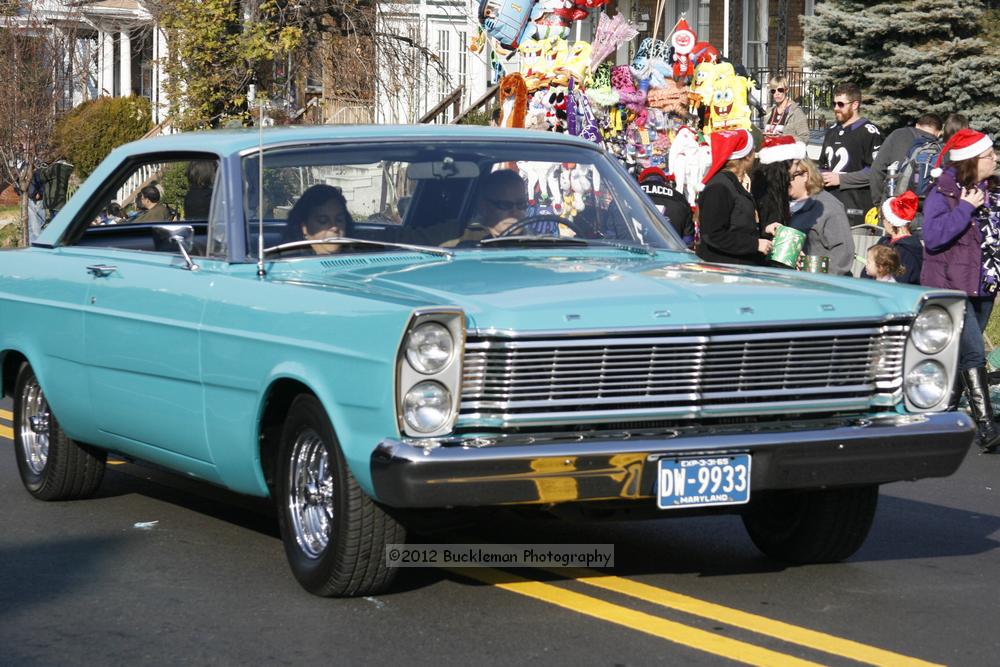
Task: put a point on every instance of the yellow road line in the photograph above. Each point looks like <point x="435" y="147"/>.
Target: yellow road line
<point x="4" y="414"/>
<point x="6" y="432"/>
<point x="759" y="624"/>
<point x="678" y="633"/>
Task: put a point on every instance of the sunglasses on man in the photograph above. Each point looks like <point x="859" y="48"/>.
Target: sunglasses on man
<point x="508" y="204"/>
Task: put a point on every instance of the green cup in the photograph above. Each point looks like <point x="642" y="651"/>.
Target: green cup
<point x="787" y="246"/>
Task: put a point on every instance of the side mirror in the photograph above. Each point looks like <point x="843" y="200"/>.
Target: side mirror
<point x="167" y="237"/>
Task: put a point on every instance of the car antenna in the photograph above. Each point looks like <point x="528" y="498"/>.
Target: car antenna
<point x="260" y="187"/>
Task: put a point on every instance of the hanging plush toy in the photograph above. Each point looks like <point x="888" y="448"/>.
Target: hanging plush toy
<point x="689" y="159"/>
<point x="703" y="52"/>
<point x="701" y="88"/>
<point x="671" y="97"/>
<point x="505" y="20"/>
<point x="600" y="91"/>
<point x="621" y="81"/>
<point x="513" y="100"/>
<point x="729" y="109"/>
<point x="683" y="40"/>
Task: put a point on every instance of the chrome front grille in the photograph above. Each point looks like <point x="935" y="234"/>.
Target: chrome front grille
<point x="550" y="379"/>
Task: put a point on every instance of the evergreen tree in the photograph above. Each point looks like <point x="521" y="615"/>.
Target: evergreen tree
<point x="909" y="58"/>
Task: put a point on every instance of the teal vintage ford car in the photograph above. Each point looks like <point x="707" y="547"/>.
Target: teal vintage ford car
<point x="365" y="322"/>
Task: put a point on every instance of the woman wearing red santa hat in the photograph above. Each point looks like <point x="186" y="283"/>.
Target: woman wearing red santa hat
<point x="769" y="180"/>
<point x="727" y="215"/>
<point x="958" y="228"/>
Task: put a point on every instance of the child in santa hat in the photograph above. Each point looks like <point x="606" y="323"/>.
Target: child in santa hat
<point x="961" y="251"/>
<point x="897" y="216"/>
<point x="728" y="221"/>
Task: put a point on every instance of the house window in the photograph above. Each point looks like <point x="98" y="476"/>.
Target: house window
<point x="116" y="59"/>
<point x="463" y="62"/>
<point x="755" y="35"/>
<point x="444" y="52"/>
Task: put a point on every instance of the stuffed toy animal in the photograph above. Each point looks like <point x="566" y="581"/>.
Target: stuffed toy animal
<point x="621" y="81"/>
<point x="535" y="175"/>
<point x="533" y="63"/>
<point x="577" y="62"/>
<point x="689" y="160"/>
<point x="600" y="91"/>
<point x="555" y="56"/>
<point x="729" y="109"/>
<point x="701" y="88"/>
<point x="683" y="40"/>
<point x="672" y="97"/>
<point x="538" y="111"/>
<point x="513" y="100"/>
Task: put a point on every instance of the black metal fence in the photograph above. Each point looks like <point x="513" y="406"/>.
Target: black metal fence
<point x="815" y="98"/>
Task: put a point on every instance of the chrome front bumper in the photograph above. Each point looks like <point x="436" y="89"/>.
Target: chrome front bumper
<point x="786" y="455"/>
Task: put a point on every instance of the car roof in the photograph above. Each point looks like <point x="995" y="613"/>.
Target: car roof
<point x="229" y="142"/>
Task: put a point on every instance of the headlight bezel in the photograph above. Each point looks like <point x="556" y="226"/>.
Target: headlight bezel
<point x="953" y="303"/>
<point x="448" y="375"/>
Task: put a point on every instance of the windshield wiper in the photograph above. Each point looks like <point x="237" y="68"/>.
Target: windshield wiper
<point x="649" y="251"/>
<point x="569" y="240"/>
<point x="342" y="240"/>
<point x="519" y="240"/>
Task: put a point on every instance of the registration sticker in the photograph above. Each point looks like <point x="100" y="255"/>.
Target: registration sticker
<point x="703" y="481"/>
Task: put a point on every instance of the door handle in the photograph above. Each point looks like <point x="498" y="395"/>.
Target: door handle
<point x="101" y="270"/>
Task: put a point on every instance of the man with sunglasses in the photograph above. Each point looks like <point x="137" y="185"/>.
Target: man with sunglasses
<point x="503" y="200"/>
<point x="849" y="149"/>
<point x="786" y="117"/>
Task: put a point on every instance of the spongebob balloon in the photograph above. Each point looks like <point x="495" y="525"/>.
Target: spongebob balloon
<point x="728" y="109"/>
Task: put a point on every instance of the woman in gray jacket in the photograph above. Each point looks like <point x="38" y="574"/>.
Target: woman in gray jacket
<point x="820" y="216"/>
<point x="785" y="117"/>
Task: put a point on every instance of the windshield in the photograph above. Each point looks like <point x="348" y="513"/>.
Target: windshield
<point x="454" y="195"/>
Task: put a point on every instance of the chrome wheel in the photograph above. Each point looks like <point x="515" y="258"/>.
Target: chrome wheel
<point x="33" y="427"/>
<point x="310" y="493"/>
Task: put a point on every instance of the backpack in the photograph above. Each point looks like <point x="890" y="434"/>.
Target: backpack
<point x="914" y="171"/>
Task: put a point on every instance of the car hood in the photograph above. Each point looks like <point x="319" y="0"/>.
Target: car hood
<point x="588" y="289"/>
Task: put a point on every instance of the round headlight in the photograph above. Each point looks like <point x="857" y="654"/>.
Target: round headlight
<point x="927" y="384"/>
<point x="932" y="330"/>
<point x="427" y="407"/>
<point x="429" y="347"/>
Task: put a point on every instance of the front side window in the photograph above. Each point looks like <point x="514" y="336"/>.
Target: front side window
<point x="149" y="193"/>
<point x="324" y="199"/>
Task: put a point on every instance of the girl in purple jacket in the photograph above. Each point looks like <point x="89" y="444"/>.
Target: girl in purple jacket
<point x="961" y="249"/>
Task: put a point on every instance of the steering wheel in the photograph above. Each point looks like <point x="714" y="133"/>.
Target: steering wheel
<point x="541" y="217"/>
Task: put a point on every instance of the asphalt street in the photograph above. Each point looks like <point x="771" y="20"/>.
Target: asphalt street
<point x="158" y="569"/>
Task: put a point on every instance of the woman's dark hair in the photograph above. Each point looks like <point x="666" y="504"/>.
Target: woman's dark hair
<point x="314" y="197"/>
<point x="201" y="173"/>
<point x="967" y="174"/>
<point x="769" y="187"/>
<point x="953" y="124"/>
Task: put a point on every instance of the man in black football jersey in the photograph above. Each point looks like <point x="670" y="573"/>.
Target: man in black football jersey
<point x="849" y="149"/>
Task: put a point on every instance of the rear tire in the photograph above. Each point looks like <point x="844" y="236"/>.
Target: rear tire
<point x="51" y="465"/>
<point x="334" y="534"/>
<point x="819" y="526"/>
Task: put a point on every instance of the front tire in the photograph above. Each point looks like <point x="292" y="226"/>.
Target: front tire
<point x="51" y="465"/>
<point x="334" y="534"/>
<point x="817" y="526"/>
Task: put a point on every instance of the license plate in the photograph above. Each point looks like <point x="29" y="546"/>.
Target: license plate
<point x="703" y="481"/>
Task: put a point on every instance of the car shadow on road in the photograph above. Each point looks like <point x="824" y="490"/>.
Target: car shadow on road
<point x="706" y="546"/>
<point x="256" y="514"/>
<point x="38" y="573"/>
